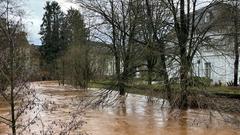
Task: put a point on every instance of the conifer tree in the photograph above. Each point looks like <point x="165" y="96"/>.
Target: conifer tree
<point x="52" y="45"/>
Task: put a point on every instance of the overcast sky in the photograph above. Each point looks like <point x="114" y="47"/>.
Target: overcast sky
<point x="33" y="18"/>
<point x="34" y="13"/>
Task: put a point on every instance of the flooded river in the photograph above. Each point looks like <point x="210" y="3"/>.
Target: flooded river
<point x="137" y="117"/>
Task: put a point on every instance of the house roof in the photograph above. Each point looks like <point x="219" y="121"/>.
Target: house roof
<point x="218" y="16"/>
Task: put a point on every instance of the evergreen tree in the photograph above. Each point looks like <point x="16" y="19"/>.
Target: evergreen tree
<point x="76" y="28"/>
<point x="52" y="45"/>
<point x="78" y="62"/>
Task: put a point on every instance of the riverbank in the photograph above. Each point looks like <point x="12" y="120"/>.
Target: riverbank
<point x="220" y="98"/>
<point x="145" y="89"/>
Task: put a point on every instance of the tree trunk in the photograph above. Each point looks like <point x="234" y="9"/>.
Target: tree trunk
<point x="165" y="78"/>
<point x="183" y="32"/>
<point x="63" y="73"/>
<point x="236" y="64"/>
<point x="150" y="72"/>
<point x="12" y="88"/>
<point x="184" y="69"/>
<point x="236" y="46"/>
<point x="122" y="90"/>
<point x="120" y="84"/>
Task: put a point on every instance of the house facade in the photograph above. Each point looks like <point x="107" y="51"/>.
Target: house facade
<point x="219" y="68"/>
<point x="217" y="61"/>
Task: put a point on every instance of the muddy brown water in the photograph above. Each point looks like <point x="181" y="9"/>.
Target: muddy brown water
<point x="137" y="117"/>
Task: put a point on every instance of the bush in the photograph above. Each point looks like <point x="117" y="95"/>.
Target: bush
<point x="200" y="81"/>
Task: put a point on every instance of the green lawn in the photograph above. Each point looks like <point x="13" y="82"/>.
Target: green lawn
<point x="144" y="89"/>
<point x="228" y="90"/>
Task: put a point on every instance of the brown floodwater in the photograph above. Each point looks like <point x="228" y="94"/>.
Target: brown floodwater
<point x="136" y="117"/>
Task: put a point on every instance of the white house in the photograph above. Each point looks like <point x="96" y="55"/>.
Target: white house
<point x="217" y="64"/>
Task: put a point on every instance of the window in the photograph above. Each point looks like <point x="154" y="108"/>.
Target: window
<point x="208" y="69"/>
<point x="207" y="18"/>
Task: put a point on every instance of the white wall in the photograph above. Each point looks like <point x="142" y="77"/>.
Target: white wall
<point x="222" y="66"/>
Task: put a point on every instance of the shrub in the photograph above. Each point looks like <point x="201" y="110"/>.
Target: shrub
<point x="200" y="81"/>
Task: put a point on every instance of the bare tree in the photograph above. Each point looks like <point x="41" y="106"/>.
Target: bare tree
<point x="121" y="17"/>
<point x="159" y="27"/>
<point x="15" y="89"/>
<point x="190" y="37"/>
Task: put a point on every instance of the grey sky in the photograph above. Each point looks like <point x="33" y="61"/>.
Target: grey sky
<point x="33" y="18"/>
<point x="34" y="13"/>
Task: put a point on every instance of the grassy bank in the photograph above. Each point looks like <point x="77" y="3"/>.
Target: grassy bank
<point x="144" y="89"/>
